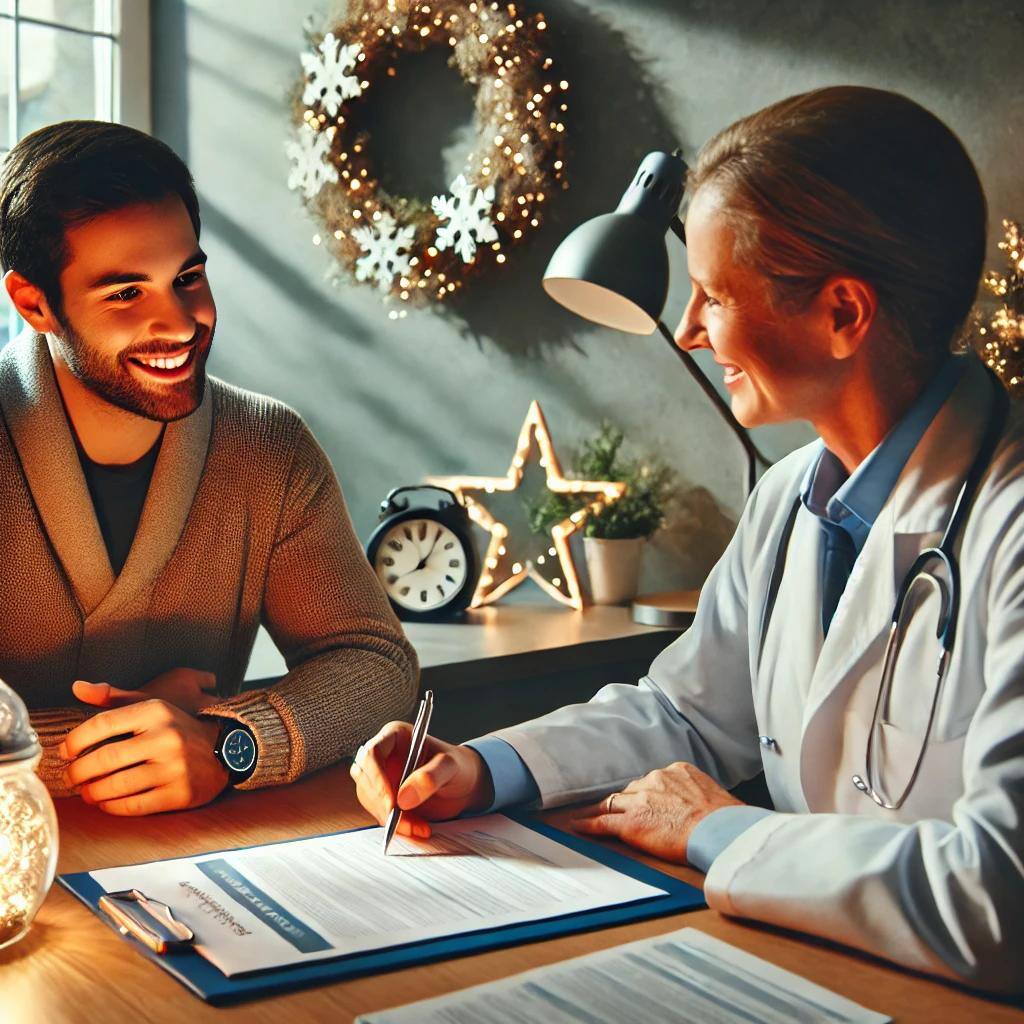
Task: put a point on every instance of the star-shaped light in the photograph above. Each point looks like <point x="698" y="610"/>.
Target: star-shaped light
<point x="502" y="571"/>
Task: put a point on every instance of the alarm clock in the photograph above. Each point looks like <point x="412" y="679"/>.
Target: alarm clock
<point x="424" y="556"/>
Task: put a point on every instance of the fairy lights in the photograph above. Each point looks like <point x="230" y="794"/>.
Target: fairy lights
<point x="28" y="824"/>
<point x="520" y="133"/>
<point x="999" y="332"/>
<point x="504" y="568"/>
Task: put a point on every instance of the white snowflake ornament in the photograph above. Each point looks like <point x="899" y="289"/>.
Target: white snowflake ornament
<point x="329" y="74"/>
<point x="466" y="210"/>
<point x="385" y="245"/>
<point x="310" y="154"/>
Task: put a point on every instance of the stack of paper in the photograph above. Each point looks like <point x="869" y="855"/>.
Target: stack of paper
<point x="682" y="976"/>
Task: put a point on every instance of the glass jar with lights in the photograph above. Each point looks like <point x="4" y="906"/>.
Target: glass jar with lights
<point x="28" y="822"/>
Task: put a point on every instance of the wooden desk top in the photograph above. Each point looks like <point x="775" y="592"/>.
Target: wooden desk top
<point x="72" y="968"/>
<point x="508" y="637"/>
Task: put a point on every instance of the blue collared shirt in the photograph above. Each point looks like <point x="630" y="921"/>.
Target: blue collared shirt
<point x="851" y="502"/>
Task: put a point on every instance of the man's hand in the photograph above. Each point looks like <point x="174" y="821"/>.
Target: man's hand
<point x="658" y="813"/>
<point x="166" y="763"/>
<point x="452" y="779"/>
<point x="185" y="688"/>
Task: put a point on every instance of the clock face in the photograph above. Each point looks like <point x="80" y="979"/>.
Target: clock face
<point x="421" y="564"/>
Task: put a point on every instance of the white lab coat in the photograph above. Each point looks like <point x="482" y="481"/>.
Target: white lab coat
<point x="937" y="885"/>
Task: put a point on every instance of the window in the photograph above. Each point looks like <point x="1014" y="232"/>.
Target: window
<point x="64" y="59"/>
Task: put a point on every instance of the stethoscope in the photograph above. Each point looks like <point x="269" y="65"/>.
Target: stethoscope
<point x="924" y="571"/>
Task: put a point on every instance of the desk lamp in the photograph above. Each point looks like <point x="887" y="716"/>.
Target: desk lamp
<point x="613" y="269"/>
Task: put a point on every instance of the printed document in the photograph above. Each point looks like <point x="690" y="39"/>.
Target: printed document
<point x="330" y="896"/>
<point x="682" y="976"/>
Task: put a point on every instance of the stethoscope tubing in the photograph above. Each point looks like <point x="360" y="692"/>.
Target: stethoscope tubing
<point x="950" y="596"/>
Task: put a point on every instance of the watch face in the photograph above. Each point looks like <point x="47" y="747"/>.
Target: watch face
<point x="239" y="750"/>
<point x="422" y="564"/>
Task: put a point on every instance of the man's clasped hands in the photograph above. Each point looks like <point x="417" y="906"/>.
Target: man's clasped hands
<point x="157" y="753"/>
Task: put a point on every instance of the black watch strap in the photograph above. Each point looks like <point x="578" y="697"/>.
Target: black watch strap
<point x="236" y="748"/>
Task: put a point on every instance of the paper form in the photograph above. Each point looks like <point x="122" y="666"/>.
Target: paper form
<point x="682" y="976"/>
<point x="313" y="899"/>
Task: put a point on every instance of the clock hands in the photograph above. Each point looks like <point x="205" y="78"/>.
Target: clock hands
<point x="426" y="557"/>
<point x="423" y="561"/>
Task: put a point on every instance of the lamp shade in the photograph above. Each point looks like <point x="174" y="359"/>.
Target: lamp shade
<point x="613" y="269"/>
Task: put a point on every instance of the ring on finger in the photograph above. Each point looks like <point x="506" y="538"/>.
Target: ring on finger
<point x="610" y="803"/>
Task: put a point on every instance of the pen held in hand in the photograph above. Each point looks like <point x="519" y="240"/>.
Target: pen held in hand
<point x="419" y="736"/>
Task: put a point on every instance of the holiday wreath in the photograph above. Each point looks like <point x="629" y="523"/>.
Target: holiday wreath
<point x="412" y="252"/>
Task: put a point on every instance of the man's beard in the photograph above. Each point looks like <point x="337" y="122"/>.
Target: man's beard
<point x="110" y="378"/>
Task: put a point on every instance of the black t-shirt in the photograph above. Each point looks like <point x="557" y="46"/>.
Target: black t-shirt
<point x="118" y="494"/>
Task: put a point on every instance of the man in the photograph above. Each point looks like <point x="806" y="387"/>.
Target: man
<point x="152" y="517"/>
<point x="834" y="243"/>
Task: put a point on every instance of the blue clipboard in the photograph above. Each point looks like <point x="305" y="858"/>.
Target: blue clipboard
<point x="206" y="981"/>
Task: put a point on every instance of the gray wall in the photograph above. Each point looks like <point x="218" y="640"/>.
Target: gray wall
<point x="391" y="401"/>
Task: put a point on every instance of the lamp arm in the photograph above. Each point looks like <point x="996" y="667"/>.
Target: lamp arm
<point x="754" y="454"/>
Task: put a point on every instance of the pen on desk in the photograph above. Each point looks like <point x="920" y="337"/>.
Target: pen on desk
<point x="419" y="735"/>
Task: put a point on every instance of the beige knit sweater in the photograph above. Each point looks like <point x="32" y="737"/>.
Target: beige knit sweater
<point x="244" y="522"/>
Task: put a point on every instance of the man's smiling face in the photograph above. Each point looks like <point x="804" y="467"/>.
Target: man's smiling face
<point x="138" y="315"/>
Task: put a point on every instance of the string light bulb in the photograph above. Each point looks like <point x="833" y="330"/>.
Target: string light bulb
<point x="28" y="823"/>
<point x="498" y="49"/>
<point x="509" y="571"/>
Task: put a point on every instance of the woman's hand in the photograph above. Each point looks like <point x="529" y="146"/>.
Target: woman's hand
<point x="161" y="759"/>
<point x="452" y="779"/>
<point x="658" y="813"/>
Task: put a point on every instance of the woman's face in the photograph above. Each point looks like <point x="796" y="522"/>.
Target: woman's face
<point x="778" y="365"/>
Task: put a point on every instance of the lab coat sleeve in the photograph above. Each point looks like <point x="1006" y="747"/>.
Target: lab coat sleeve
<point x="693" y="705"/>
<point x="945" y="897"/>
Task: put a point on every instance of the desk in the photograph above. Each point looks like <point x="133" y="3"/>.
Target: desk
<point x="505" y="664"/>
<point x="73" y="969"/>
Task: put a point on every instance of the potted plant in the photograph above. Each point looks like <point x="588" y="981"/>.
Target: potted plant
<point x="613" y="538"/>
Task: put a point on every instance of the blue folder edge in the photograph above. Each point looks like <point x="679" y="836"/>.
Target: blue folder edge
<point x="207" y="982"/>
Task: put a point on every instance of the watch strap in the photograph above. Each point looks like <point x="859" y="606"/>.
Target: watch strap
<point x="260" y="711"/>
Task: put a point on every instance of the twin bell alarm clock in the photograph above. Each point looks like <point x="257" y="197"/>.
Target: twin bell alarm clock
<point x="424" y="555"/>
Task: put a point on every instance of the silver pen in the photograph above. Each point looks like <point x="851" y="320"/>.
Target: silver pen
<point x="419" y="736"/>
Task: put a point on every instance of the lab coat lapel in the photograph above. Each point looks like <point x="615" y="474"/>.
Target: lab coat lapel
<point x="793" y="641"/>
<point x="38" y="426"/>
<point x="862" y="615"/>
<point x="912" y="519"/>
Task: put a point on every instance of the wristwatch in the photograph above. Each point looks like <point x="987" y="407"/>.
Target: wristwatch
<point x="237" y="750"/>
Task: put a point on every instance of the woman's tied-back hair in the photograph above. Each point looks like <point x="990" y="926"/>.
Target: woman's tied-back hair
<point x="68" y="173"/>
<point x="851" y="180"/>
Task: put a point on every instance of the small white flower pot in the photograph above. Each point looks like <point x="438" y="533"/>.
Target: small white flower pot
<point x="613" y="567"/>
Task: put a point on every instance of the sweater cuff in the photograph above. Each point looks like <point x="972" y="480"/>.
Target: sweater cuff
<point x="51" y="726"/>
<point x="276" y="760"/>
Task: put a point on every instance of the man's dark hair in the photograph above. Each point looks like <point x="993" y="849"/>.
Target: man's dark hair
<point x="68" y="173"/>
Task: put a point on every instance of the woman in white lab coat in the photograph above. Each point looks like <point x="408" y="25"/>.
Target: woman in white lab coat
<point x="835" y="243"/>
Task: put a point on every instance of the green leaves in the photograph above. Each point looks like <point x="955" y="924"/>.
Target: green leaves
<point x="640" y="512"/>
